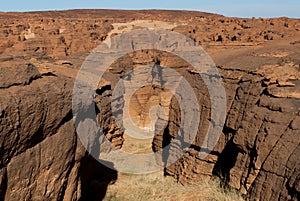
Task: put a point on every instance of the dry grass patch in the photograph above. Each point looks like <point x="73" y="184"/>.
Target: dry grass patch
<point x="157" y="187"/>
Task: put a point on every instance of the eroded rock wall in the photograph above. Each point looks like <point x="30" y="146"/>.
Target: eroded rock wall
<point x="260" y="141"/>
<point x="41" y="52"/>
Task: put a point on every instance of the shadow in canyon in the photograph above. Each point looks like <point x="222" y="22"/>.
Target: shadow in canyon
<point x="95" y="178"/>
<point x="226" y="162"/>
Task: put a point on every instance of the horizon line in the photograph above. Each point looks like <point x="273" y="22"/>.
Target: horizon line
<point x="145" y="9"/>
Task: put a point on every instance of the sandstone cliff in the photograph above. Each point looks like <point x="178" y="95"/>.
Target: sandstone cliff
<point x="41" y="53"/>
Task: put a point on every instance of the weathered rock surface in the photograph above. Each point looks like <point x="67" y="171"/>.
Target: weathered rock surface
<point x="41" y="52"/>
<point x="260" y="139"/>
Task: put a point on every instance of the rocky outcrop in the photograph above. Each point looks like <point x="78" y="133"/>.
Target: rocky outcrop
<point x="41" y="157"/>
<point x="41" y="52"/>
<point x="260" y="138"/>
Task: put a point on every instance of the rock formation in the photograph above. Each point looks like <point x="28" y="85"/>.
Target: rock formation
<point x="41" y="53"/>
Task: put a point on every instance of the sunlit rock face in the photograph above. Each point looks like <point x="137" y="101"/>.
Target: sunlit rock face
<point x="41" y="157"/>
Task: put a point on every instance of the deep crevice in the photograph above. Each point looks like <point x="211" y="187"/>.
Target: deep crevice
<point x="295" y="195"/>
<point x="226" y="161"/>
<point x="3" y="185"/>
<point x="95" y="178"/>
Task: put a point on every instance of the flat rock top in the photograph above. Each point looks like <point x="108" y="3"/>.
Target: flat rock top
<point x="57" y="42"/>
<point x="108" y="13"/>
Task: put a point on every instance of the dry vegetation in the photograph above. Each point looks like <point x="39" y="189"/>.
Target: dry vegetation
<point x="157" y="187"/>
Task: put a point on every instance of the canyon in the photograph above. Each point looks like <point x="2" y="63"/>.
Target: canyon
<point x="41" y="54"/>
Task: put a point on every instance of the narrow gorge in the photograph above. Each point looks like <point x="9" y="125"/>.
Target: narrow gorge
<point x="41" y="53"/>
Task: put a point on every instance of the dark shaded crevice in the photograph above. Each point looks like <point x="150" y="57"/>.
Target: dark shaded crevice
<point x="239" y="70"/>
<point x="67" y="118"/>
<point x="226" y="161"/>
<point x="3" y="185"/>
<point x="166" y="140"/>
<point x="25" y="83"/>
<point x="103" y="89"/>
<point x="95" y="178"/>
<point x="228" y="130"/>
<point x="93" y="174"/>
<point x="205" y="150"/>
<point x="266" y="93"/>
<point x="29" y="81"/>
<point x="295" y="195"/>
<point x="253" y="156"/>
<point x="273" y="173"/>
<point x="49" y="74"/>
<point x="253" y="153"/>
<point x="21" y="84"/>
